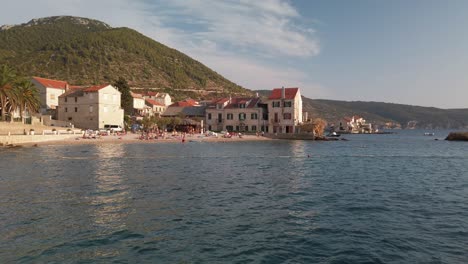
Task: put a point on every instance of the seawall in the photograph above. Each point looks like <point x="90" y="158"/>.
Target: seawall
<point x="301" y="136"/>
<point x="22" y="139"/>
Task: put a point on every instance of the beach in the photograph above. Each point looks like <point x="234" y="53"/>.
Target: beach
<point x="135" y="138"/>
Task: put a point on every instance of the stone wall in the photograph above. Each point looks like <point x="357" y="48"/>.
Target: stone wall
<point x="21" y="139"/>
<point x="297" y="136"/>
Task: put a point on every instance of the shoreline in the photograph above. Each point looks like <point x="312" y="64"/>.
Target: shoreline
<point x="134" y="139"/>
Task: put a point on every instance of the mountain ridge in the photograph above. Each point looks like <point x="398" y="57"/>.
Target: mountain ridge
<point x="88" y="51"/>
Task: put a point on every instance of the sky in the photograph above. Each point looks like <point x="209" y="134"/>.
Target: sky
<point x="409" y="52"/>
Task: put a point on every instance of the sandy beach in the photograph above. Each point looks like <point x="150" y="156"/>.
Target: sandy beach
<point x="135" y="138"/>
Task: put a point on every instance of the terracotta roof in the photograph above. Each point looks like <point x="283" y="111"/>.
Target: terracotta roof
<point x="250" y="102"/>
<point x="153" y="102"/>
<point x="290" y="93"/>
<point x="149" y="93"/>
<point x="136" y="95"/>
<point x="51" y="83"/>
<point x="95" y="88"/>
<point x="72" y="92"/>
<point x="185" y="103"/>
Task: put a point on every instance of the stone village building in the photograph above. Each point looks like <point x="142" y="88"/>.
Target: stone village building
<point x="235" y="114"/>
<point x="91" y="107"/>
<point x="284" y="110"/>
<point x="280" y="113"/>
<point x="49" y="92"/>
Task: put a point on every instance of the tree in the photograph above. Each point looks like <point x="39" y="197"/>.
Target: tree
<point x="7" y="80"/>
<point x="26" y="97"/>
<point x="319" y="125"/>
<point x="316" y="126"/>
<point x="126" y="99"/>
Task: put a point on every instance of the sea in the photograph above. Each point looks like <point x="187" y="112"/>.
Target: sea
<point x="393" y="198"/>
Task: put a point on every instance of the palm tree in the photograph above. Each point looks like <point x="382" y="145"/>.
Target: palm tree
<point x="26" y="97"/>
<point x="7" y="80"/>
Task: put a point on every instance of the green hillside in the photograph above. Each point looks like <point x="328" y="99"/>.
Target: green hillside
<point x="407" y="116"/>
<point x="86" y="51"/>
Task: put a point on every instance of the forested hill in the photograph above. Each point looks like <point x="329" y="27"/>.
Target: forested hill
<point x="86" y="51"/>
<point x="407" y="116"/>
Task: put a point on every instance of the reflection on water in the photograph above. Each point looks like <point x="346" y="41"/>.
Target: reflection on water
<point x="372" y="199"/>
<point x="109" y="201"/>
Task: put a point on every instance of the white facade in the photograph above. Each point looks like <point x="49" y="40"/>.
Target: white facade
<point x="92" y="107"/>
<point x="49" y="92"/>
<point x="284" y="110"/>
<point x="235" y="114"/>
<point x="138" y="101"/>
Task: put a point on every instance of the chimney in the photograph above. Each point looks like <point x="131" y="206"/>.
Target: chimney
<point x="283" y="93"/>
<point x="66" y="87"/>
<point x="256" y="95"/>
<point x="230" y="99"/>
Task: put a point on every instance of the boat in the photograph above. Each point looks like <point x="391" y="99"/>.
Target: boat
<point x="333" y="134"/>
<point x="429" y="134"/>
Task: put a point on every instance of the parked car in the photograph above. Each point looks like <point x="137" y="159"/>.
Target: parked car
<point x="113" y="128"/>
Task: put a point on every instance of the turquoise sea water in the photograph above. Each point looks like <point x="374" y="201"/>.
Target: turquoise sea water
<point x="400" y="198"/>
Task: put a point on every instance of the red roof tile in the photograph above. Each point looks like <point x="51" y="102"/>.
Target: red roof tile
<point x="185" y="103"/>
<point x="153" y="102"/>
<point x="136" y="95"/>
<point x="149" y="93"/>
<point x="290" y="93"/>
<point x="51" y="83"/>
<point x="95" y="88"/>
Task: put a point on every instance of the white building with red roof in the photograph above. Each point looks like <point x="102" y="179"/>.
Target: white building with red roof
<point x="284" y="110"/>
<point x="91" y="107"/>
<point x="156" y="107"/>
<point x="162" y="98"/>
<point x="236" y="114"/>
<point x="49" y="92"/>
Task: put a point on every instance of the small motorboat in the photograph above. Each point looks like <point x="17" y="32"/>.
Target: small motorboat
<point x="333" y="134"/>
<point x="429" y="134"/>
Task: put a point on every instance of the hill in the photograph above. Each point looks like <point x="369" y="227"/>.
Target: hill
<point x="382" y="114"/>
<point x="87" y="51"/>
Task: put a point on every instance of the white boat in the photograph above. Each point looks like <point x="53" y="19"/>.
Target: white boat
<point x="429" y="134"/>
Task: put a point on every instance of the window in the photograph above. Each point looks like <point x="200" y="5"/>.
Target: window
<point x="76" y="99"/>
<point x="254" y="128"/>
<point x="209" y="127"/>
<point x="246" y="128"/>
<point x="66" y="109"/>
<point x="70" y="118"/>
<point x="65" y="99"/>
<point x="241" y="105"/>
<point x="90" y="108"/>
<point x="287" y="103"/>
<point x="237" y="128"/>
<point x="229" y="128"/>
<point x="76" y="108"/>
<point x="209" y="116"/>
<point x="287" y="116"/>
<point x="52" y="97"/>
<point x="220" y="117"/>
<point x="253" y="116"/>
<point x="229" y="116"/>
<point x="276" y="104"/>
<point x="90" y="95"/>
<point x="242" y="116"/>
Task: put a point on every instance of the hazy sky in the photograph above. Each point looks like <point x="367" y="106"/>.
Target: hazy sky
<point x="411" y="52"/>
